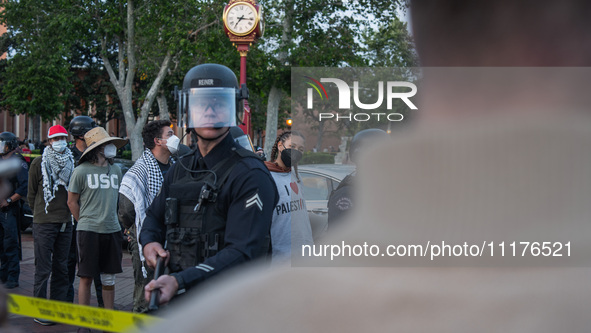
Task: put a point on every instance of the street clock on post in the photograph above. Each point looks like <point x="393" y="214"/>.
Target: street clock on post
<point x="244" y="24"/>
<point x="243" y="21"/>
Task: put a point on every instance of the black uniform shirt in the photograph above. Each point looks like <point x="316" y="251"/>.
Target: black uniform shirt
<point x="248" y="224"/>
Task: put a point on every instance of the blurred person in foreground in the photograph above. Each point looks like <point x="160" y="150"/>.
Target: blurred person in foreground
<point x="479" y="165"/>
<point x="215" y="205"/>
<point x="49" y="178"/>
<point x="290" y="228"/>
<point x="139" y="187"/>
<point x="9" y="210"/>
<point x="341" y="200"/>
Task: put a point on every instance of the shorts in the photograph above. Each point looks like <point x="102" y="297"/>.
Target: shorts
<point x="98" y="253"/>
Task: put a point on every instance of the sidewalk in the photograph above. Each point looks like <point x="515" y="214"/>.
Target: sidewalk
<point x="123" y="290"/>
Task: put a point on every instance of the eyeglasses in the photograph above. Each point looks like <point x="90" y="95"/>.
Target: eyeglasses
<point x="214" y="105"/>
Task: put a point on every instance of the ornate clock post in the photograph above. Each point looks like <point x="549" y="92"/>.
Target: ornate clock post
<point x="243" y="23"/>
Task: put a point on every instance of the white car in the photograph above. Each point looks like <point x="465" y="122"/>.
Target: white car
<point x="319" y="180"/>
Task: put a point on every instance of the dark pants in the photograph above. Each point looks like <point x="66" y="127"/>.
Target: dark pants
<point x="140" y="304"/>
<point x="72" y="261"/>
<point x="9" y="246"/>
<point x="52" y="247"/>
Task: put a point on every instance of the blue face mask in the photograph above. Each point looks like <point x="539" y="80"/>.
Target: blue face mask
<point x="59" y="146"/>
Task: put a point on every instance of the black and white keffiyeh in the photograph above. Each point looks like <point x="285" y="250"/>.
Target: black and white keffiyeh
<point x="141" y="184"/>
<point x="56" y="169"/>
<point x="144" y="180"/>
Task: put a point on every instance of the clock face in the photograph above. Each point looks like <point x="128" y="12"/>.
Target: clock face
<point x="241" y="19"/>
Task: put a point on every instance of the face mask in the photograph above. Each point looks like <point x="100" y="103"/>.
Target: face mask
<point x="110" y="151"/>
<point x="290" y="157"/>
<point x="172" y="144"/>
<point x="59" y="146"/>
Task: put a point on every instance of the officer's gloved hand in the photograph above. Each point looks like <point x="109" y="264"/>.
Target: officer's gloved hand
<point x="152" y="251"/>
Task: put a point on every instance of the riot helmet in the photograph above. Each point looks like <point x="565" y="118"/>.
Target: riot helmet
<point x="211" y="98"/>
<point x="365" y="138"/>
<point x="8" y="142"/>
<point x="80" y="125"/>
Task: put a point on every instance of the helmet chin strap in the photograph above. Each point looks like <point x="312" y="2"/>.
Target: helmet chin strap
<point x="205" y="139"/>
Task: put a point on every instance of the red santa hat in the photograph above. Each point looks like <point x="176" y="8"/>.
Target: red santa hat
<point x="57" y="130"/>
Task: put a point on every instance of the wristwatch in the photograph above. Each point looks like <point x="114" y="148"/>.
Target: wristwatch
<point x="9" y="200"/>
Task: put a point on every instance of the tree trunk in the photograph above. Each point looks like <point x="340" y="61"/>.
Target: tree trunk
<point x="272" y="107"/>
<point x="162" y="107"/>
<point x="275" y="94"/>
<point x="31" y="129"/>
<point x="320" y="134"/>
<point x="123" y="83"/>
<point x="37" y="128"/>
<point x="136" y="140"/>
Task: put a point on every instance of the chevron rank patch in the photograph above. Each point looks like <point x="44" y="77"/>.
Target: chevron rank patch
<point x="255" y="200"/>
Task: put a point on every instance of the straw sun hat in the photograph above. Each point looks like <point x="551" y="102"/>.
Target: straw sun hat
<point x="97" y="136"/>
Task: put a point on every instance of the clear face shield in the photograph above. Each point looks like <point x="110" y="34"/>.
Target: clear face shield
<point x="209" y="107"/>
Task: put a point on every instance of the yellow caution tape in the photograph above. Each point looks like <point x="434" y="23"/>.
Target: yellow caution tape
<point x="31" y="155"/>
<point x="79" y="315"/>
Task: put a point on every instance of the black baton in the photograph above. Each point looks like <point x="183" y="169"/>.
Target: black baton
<point x="155" y="297"/>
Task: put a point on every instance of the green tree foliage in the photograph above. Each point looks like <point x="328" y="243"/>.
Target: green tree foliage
<point x="336" y="33"/>
<point x="136" y="43"/>
<point x="133" y="52"/>
<point x="390" y="45"/>
<point x="36" y="79"/>
<point x="36" y="85"/>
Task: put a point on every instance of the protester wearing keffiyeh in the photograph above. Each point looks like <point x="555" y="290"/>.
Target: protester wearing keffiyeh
<point x="140" y="185"/>
<point x="56" y="169"/>
<point x="49" y="179"/>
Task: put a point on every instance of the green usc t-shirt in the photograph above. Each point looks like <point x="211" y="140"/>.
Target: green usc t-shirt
<point x="99" y="189"/>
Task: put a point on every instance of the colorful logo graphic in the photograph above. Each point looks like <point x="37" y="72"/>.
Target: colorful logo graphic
<point x="315" y="84"/>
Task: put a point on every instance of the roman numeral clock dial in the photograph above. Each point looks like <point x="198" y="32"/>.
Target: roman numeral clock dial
<point x="241" y="19"/>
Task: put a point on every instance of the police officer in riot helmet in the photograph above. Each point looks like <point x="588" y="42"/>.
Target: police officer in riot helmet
<point x="78" y="127"/>
<point x="342" y="198"/>
<point x="215" y="206"/>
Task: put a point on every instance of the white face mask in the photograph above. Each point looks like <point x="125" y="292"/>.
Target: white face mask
<point x="59" y="146"/>
<point x="110" y="151"/>
<point x="172" y="144"/>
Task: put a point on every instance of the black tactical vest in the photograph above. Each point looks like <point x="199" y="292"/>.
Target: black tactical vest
<point x="195" y="226"/>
